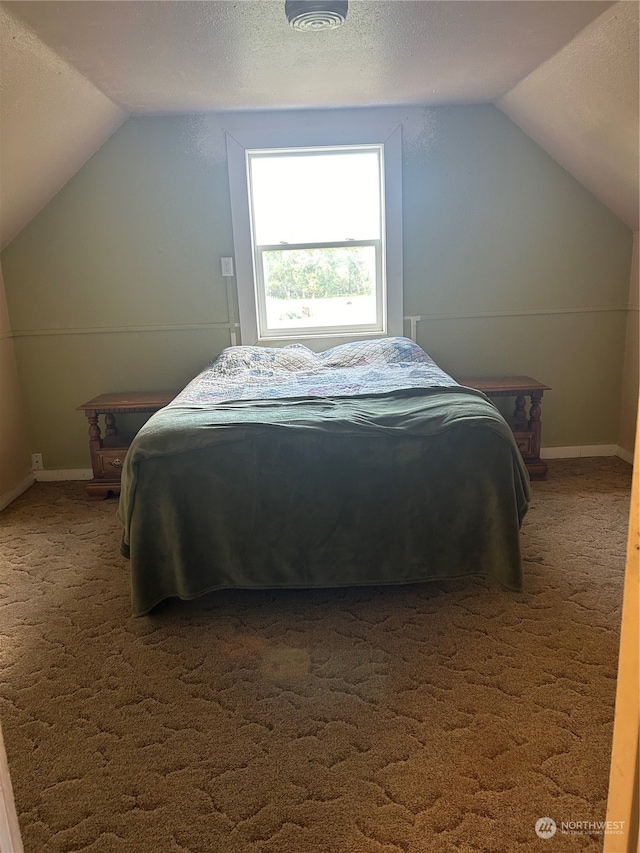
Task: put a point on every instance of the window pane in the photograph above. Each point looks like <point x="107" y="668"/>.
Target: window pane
<point x="306" y="288"/>
<point x="311" y="197"/>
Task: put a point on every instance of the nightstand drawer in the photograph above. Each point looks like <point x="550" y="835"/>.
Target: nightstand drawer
<point x="109" y="452"/>
<point x="524" y="440"/>
<point x="109" y="462"/>
<point x="526" y="426"/>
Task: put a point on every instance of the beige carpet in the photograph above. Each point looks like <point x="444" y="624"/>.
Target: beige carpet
<point x="444" y="717"/>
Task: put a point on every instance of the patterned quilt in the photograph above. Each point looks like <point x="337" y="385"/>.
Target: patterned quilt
<point x="361" y="368"/>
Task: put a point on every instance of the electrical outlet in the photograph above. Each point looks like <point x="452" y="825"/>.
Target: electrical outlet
<point x="36" y="461"/>
<point x="227" y="266"/>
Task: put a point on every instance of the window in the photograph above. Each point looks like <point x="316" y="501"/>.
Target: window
<point x="317" y="218"/>
<point x="317" y="235"/>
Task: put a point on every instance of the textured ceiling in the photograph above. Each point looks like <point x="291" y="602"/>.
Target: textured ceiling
<point x="72" y="71"/>
<point x="158" y="57"/>
<point x="52" y="120"/>
<point x="589" y="124"/>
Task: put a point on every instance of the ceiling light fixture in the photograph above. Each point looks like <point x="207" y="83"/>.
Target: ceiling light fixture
<point x="313" y="15"/>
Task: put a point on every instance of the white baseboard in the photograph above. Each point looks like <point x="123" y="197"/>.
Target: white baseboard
<point x="578" y="451"/>
<point x="8" y="497"/>
<point x="627" y="455"/>
<point x="59" y="474"/>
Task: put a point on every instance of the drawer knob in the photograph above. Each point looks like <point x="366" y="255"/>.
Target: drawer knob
<point x="115" y="463"/>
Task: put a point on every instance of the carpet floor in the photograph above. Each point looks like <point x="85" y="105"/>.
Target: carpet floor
<point x="440" y="717"/>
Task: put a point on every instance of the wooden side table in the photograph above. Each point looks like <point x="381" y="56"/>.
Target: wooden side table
<point x="526" y="430"/>
<point x="108" y="453"/>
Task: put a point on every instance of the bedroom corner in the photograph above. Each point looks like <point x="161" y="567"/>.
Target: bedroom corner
<point x="631" y="370"/>
<point x="15" y="459"/>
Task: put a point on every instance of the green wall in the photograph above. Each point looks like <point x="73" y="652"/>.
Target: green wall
<point x="116" y="284"/>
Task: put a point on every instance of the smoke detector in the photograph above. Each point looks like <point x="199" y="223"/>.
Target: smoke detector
<point x="313" y="15"/>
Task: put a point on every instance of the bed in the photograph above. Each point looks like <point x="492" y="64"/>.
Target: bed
<point x="284" y="468"/>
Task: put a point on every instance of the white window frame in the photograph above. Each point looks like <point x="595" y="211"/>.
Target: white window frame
<point x="288" y="133"/>
<point x="269" y="334"/>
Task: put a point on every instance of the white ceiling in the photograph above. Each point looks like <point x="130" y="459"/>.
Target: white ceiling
<point x="72" y="71"/>
<point x="581" y="106"/>
<point x="158" y="57"/>
<point x="52" y="120"/>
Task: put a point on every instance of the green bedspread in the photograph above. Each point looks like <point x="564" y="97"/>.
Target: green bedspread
<point x="323" y="492"/>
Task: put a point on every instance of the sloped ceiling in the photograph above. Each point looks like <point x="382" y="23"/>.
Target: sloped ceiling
<point x="52" y="119"/>
<point x="580" y="107"/>
<point x="72" y="71"/>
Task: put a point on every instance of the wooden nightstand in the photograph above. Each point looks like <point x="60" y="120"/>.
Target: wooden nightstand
<point x="526" y="430"/>
<point x="108" y="453"/>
